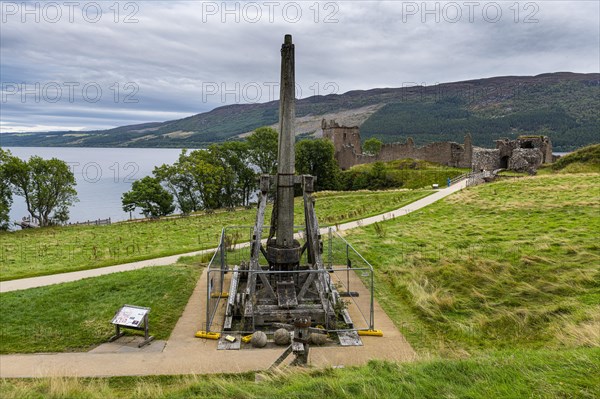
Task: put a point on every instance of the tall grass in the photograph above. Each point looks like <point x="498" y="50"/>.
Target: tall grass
<point x="504" y="265"/>
<point x="539" y="374"/>
<point x="584" y="160"/>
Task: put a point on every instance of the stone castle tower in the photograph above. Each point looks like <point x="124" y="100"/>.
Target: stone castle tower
<point x="348" y="149"/>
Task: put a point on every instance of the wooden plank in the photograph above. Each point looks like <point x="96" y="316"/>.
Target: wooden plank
<point x="231" y="300"/>
<point x="286" y="294"/>
<point x="347" y="318"/>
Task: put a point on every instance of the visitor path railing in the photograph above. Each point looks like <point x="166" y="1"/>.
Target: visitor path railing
<point x="99" y="222"/>
<point x="476" y="178"/>
<point x="458" y="179"/>
<point x="472" y="178"/>
<point x="345" y="269"/>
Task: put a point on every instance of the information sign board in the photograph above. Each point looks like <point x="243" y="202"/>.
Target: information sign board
<point x="130" y="316"/>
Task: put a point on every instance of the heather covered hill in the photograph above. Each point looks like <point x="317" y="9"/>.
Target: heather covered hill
<point x="561" y="105"/>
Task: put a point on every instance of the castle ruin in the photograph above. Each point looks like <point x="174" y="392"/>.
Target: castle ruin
<point x="525" y="154"/>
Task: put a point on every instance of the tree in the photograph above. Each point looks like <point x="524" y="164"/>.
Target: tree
<point x="180" y="184"/>
<point x="316" y="158"/>
<point x="234" y="157"/>
<point x="372" y="146"/>
<point x="46" y="185"/>
<point x="150" y="196"/>
<point x="378" y="178"/>
<point x="5" y="193"/>
<point x="207" y="177"/>
<point x="263" y="149"/>
<point x="220" y="176"/>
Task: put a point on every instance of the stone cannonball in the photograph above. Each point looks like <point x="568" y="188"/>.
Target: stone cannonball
<point x="282" y="337"/>
<point x="318" y="339"/>
<point x="259" y="339"/>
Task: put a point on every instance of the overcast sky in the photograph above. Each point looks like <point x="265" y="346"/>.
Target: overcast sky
<point x="156" y="61"/>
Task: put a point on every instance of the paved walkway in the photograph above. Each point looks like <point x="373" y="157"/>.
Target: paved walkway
<point x="22" y="284"/>
<point x="184" y="354"/>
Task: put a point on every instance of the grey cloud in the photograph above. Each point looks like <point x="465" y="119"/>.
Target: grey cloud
<point x="171" y="52"/>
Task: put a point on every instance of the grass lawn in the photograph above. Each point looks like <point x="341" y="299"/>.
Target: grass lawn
<point x="520" y="374"/>
<point x="76" y="316"/>
<point x="512" y="264"/>
<point x="497" y="287"/>
<point x="52" y="250"/>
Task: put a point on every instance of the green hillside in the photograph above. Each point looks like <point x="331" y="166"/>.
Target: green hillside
<point x="586" y="159"/>
<point x="538" y="109"/>
<point x="561" y="105"/>
<point x="512" y="264"/>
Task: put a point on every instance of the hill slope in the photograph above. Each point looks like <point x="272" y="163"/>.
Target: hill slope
<point x="562" y="105"/>
<point x="586" y="159"/>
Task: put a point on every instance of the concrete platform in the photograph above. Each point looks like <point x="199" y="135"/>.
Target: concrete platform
<point x="185" y="354"/>
<point x="129" y="344"/>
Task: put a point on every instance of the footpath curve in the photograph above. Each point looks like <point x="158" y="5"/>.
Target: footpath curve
<point x="33" y="282"/>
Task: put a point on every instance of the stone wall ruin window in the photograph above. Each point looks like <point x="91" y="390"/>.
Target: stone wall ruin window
<point x="527" y="144"/>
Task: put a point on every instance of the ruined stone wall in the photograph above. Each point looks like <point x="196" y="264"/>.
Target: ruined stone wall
<point x="486" y="159"/>
<point x="346" y="142"/>
<point x="445" y="153"/>
<point x="348" y="149"/>
<point x="526" y="160"/>
<point x="525" y="154"/>
<point x="341" y="135"/>
<point x="541" y="143"/>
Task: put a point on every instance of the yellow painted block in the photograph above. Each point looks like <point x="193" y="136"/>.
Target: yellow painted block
<point x="247" y="338"/>
<point x="372" y="333"/>
<point x="219" y="295"/>
<point x="207" y="334"/>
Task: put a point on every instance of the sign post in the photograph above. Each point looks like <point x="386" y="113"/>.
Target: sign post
<point x="134" y="317"/>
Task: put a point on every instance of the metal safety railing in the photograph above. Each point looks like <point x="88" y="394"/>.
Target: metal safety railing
<point x="459" y="178"/>
<point x="346" y="269"/>
<point x="356" y="275"/>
